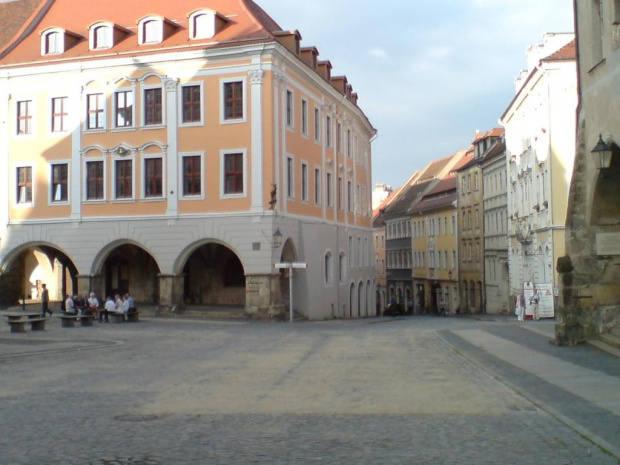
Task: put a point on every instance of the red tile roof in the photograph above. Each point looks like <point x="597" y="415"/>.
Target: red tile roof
<point x="247" y="23"/>
<point x="566" y="53"/>
<point x="15" y="15"/>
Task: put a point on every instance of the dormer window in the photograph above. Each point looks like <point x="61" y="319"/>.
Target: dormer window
<point x="204" y="24"/>
<point x="101" y="36"/>
<point x="55" y="41"/>
<point x="151" y="32"/>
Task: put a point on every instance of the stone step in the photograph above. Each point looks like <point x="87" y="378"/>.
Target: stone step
<point x="611" y="339"/>
<point x="605" y="347"/>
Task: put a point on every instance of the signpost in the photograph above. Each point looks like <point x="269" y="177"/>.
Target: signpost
<point x="290" y="266"/>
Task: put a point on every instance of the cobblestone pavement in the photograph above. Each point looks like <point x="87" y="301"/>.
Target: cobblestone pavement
<point x="182" y="391"/>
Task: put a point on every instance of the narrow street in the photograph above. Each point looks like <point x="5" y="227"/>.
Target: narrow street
<point x="419" y="390"/>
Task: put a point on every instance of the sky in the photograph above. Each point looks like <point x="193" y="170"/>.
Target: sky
<point x="429" y="73"/>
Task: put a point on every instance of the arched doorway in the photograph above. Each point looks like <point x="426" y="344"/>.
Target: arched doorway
<point x="360" y="298"/>
<point x="214" y="275"/>
<point x="129" y="268"/>
<point x="288" y="255"/>
<point x="27" y="269"/>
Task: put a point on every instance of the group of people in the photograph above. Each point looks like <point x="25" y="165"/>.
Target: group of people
<point x="89" y="305"/>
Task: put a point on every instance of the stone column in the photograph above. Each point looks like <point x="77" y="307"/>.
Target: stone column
<point x="171" y="293"/>
<point x="91" y="283"/>
<point x="263" y="297"/>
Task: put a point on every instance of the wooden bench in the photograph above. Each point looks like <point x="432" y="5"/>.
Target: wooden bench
<point x="19" y="325"/>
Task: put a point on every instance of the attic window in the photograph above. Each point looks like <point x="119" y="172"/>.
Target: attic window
<point x="151" y="30"/>
<point x="52" y="43"/>
<point x="101" y="37"/>
<point x="202" y="25"/>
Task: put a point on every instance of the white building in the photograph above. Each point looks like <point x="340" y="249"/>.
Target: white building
<point x="540" y="150"/>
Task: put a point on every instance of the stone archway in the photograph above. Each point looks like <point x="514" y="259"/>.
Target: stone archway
<point x="128" y="268"/>
<point x="26" y="269"/>
<point x="214" y="275"/>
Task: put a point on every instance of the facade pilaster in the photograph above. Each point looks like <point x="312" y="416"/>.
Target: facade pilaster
<point x="172" y="162"/>
<point x="171" y="293"/>
<point x="256" y="81"/>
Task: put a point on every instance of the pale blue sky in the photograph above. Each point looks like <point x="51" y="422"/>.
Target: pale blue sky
<point x="429" y="73"/>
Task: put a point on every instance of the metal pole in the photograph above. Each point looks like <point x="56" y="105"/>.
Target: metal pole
<point x="290" y="287"/>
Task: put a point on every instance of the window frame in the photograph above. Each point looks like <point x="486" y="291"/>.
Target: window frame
<point x="203" y="177"/>
<point x="100" y="112"/>
<point x="132" y="182"/>
<point x="145" y="182"/>
<point x="63" y="115"/>
<point x="29" y="184"/>
<point x="223" y="101"/>
<point x="317" y="185"/>
<point x="28" y="118"/>
<point x="317" y="125"/>
<point x="98" y="160"/>
<point x="124" y="90"/>
<point x="305" y="188"/>
<point x="209" y="32"/>
<point x="142" y="30"/>
<point x="201" y="103"/>
<point x="143" y="106"/>
<point x="290" y="177"/>
<point x="93" y="39"/>
<point x="52" y="195"/>
<point x="304" y="117"/>
<point x="60" y="42"/>
<point x="244" y="166"/>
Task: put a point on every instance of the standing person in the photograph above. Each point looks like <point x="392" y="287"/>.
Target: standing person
<point x="520" y="307"/>
<point x="131" y="307"/>
<point x="442" y="308"/>
<point x="534" y="302"/>
<point x="45" y="300"/>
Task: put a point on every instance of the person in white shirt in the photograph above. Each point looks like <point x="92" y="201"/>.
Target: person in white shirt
<point x="107" y="308"/>
<point x="69" y="305"/>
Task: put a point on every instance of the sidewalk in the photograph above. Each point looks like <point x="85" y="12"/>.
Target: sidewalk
<point x="578" y="385"/>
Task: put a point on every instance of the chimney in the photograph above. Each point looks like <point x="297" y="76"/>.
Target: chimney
<point x="309" y="55"/>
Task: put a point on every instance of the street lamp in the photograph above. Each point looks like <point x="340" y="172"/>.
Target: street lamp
<point x="277" y="239"/>
<point x="602" y="153"/>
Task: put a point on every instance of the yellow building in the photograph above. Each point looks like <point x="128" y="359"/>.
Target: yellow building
<point x="435" y="249"/>
<point x="177" y="151"/>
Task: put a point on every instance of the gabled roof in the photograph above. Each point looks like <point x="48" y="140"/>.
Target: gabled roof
<point x="409" y="196"/>
<point x="15" y="15"/>
<point x="246" y="23"/>
<point x="566" y="53"/>
<point x="495" y="132"/>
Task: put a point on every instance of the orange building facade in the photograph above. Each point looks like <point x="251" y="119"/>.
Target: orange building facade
<point x="178" y="153"/>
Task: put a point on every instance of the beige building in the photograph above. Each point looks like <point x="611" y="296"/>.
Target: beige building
<point x="179" y="151"/>
<point x="470" y="234"/>
<point x="590" y="295"/>
<point x="540" y="134"/>
<point x="435" y="246"/>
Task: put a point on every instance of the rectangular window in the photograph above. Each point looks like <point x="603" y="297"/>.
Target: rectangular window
<point x="290" y="188"/>
<point x="304" y="182"/>
<point x="328" y="131"/>
<point x="349" y="143"/>
<point x="340" y="194"/>
<point x="59" y="114"/>
<point x="233" y="173"/>
<point x="123" y="104"/>
<point x="153" y="107"/>
<point x="94" y="180"/>
<point x="192" y="176"/>
<point x="317" y="186"/>
<point x="153" y="184"/>
<point x="349" y="196"/>
<point x="24" y="184"/>
<point x="60" y="179"/>
<point x="317" y="125"/>
<point x="123" y="179"/>
<point x="328" y="189"/>
<point x="95" y="114"/>
<point x="24" y="117"/>
<point x="233" y="100"/>
<point x="191" y="104"/>
<point x="289" y="109"/>
<point x="339" y="137"/>
<point x="304" y="117"/>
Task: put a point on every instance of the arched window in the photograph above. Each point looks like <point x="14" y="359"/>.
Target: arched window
<point x="102" y="37"/>
<point x="53" y="43"/>
<point x="202" y="25"/>
<point x="328" y="268"/>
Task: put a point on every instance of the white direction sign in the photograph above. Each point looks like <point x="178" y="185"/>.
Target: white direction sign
<point x="290" y="266"/>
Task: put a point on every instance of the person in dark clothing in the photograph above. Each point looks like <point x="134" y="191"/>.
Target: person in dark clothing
<point x="45" y="300"/>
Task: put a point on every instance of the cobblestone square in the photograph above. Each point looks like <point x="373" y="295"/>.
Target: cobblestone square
<point x="175" y="391"/>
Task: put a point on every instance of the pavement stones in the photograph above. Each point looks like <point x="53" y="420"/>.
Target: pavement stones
<point x="410" y="391"/>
